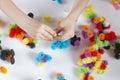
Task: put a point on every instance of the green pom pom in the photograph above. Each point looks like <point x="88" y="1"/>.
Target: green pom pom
<point x="10" y="27"/>
<point x="1" y="35"/>
<point x="36" y="42"/>
<point x="106" y="43"/>
<point x="99" y="42"/>
<point x="118" y="41"/>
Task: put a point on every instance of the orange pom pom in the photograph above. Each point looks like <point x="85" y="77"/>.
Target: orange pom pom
<point x="20" y="36"/>
<point x="96" y="20"/>
<point x="86" y="28"/>
<point x="102" y="36"/>
<point x="3" y="70"/>
<point x="90" y="34"/>
<point x="90" y="77"/>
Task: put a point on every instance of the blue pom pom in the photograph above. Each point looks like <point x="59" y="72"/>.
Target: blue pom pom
<point x="40" y="56"/>
<point x="60" y="45"/>
<point x="48" y="58"/>
<point x="60" y="78"/>
<point x="60" y="1"/>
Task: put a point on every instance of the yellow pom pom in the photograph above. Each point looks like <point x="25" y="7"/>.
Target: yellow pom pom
<point x="102" y="19"/>
<point x="3" y="70"/>
<point x="98" y="64"/>
<point x="25" y="40"/>
<point x="47" y="18"/>
<point x="40" y="64"/>
<point x="95" y="46"/>
<point x="95" y="69"/>
<point x="101" y="72"/>
<point x="81" y="75"/>
<point x="94" y="59"/>
<point x="89" y="60"/>
<point x="80" y="62"/>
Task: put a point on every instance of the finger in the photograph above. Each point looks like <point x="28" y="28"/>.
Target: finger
<point x="40" y="36"/>
<point x="63" y="37"/>
<point x="58" y="30"/>
<point x="52" y="32"/>
<point x="47" y="35"/>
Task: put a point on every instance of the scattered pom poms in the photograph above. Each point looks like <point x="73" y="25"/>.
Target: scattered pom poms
<point x="15" y="31"/>
<point x="84" y="74"/>
<point x="60" y="76"/>
<point x="91" y="58"/>
<point x="116" y="4"/>
<point x="6" y="54"/>
<point x="42" y="58"/>
<point x="60" y="44"/>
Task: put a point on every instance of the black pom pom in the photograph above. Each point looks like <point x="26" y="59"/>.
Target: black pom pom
<point x="32" y="45"/>
<point x="31" y="15"/>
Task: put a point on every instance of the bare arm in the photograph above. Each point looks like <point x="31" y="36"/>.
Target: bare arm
<point x="10" y="9"/>
<point x="77" y="9"/>
<point x="31" y="26"/>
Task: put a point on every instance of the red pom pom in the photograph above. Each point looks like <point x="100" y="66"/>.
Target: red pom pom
<point x="86" y="77"/>
<point x="18" y="30"/>
<point x="113" y="35"/>
<point x="12" y="33"/>
<point x="103" y="67"/>
<point x="92" y="39"/>
<point x="94" y="53"/>
<point x="101" y="51"/>
<point x="82" y="56"/>
<point x="99" y="27"/>
<point x="107" y="37"/>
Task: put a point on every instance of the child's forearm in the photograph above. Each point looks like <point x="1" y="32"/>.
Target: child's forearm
<point x="8" y="7"/>
<point x="77" y="9"/>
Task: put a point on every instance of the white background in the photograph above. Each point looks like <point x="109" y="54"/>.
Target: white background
<point x="25" y="67"/>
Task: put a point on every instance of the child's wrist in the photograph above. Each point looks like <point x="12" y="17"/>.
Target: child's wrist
<point x="72" y="18"/>
<point x="29" y="22"/>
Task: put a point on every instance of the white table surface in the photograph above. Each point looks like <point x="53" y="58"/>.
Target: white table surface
<point x="25" y="67"/>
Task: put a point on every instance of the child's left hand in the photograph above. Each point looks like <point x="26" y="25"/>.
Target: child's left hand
<point x="66" y="26"/>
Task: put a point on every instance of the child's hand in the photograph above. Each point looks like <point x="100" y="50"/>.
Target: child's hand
<point x="40" y="31"/>
<point x="67" y="27"/>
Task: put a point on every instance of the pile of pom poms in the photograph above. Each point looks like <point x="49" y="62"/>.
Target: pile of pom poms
<point x="7" y="54"/>
<point x="101" y="39"/>
<point x="42" y="58"/>
<point x="116" y="4"/>
<point x="15" y="31"/>
<point x="84" y="74"/>
<point x="60" y="76"/>
<point x="93" y="60"/>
